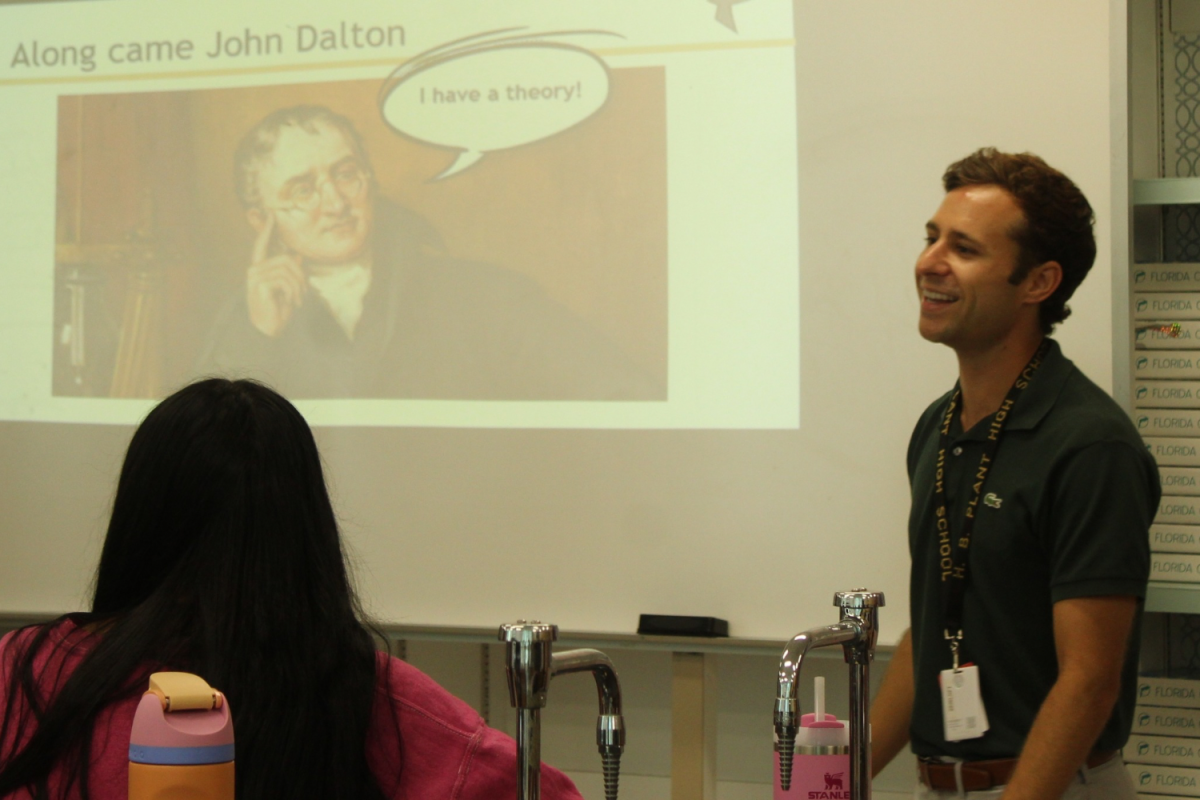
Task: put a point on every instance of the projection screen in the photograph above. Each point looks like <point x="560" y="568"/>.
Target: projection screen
<point x="524" y="215"/>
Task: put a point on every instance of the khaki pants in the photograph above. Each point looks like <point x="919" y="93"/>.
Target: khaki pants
<point x="1109" y="781"/>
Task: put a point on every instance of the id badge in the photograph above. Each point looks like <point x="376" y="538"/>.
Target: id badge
<point x="963" y="714"/>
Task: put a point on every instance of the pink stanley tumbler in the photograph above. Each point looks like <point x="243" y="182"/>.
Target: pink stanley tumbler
<point x="821" y="764"/>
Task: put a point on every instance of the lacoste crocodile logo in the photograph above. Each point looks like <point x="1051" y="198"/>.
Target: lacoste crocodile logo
<point x="992" y="500"/>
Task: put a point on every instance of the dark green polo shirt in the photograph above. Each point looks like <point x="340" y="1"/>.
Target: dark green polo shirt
<point x="1065" y="513"/>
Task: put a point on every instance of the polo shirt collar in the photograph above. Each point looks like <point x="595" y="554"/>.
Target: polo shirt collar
<point x="1037" y="400"/>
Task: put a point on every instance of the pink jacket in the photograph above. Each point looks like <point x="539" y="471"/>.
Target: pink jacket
<point x="448" y="750"/>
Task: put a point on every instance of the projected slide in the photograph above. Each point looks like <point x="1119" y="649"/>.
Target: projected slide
<point x="517" y="215"/>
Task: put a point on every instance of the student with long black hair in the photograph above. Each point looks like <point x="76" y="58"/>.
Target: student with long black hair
<point x="223" y="558"/>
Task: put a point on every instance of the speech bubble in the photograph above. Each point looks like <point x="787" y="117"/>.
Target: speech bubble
<point x="494" y="92"/>
<point x="725" y="13"/>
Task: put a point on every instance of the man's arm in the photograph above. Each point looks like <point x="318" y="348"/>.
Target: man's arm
<point x="891" y="710"/>
<point x="1091" y="635"/>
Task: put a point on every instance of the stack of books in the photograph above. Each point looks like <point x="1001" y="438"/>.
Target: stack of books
<point x="1166" y="399"/>
<point x="1163" y="753"/>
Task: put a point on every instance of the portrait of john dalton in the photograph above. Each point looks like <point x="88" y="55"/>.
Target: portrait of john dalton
<point x="286" y="233"/>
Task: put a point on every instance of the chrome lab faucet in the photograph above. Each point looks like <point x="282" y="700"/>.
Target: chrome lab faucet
<point x="530" y="666"/>
<point x="856" y="632"/>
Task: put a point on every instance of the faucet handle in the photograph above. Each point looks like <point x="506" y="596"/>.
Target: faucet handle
<point x="858" y="599"/>
<point x="527" y="656"/>
<point x="527" y="632"/>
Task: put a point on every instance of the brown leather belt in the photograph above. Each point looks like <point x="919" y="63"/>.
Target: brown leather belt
<point x="978" y="776"/>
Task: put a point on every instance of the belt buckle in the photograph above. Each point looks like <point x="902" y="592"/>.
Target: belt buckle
<point x="962" y="776"/>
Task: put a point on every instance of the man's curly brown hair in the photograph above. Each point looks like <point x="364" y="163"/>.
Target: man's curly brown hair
<point x="1058" y="219"/>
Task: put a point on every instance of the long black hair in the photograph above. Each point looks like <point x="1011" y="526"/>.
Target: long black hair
<point x="222" y="558"/>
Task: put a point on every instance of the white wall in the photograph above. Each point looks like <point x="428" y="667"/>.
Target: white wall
<point x="889" y="94"/>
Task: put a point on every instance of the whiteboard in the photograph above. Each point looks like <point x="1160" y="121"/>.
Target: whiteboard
<point x="589" y="528"/>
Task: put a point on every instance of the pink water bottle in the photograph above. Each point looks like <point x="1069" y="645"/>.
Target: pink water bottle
<point x="821" y="760"/>
<point x="182" y="741"/>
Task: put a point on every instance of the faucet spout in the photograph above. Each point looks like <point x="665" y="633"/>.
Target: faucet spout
<point x="610" y="725"/>
<point x="787" y="699"/>
<point x="530" y="666"/>
<point x="856" y="632"/>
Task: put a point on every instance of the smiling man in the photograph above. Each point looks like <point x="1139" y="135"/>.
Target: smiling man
<point x="347" y="295"/>
<point x="1032" y="495"/>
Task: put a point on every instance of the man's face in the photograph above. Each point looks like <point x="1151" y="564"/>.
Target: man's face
<point x="962" y="274"/>
<point x="319" y="194"/>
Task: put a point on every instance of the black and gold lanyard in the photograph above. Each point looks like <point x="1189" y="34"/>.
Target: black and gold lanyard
<point x="951" y="555"/>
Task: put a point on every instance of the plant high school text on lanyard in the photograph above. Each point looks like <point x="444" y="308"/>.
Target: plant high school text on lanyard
<point x="962" y="707"/>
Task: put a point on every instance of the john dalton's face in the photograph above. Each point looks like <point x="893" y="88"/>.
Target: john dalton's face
<point x="319" y="193"/>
